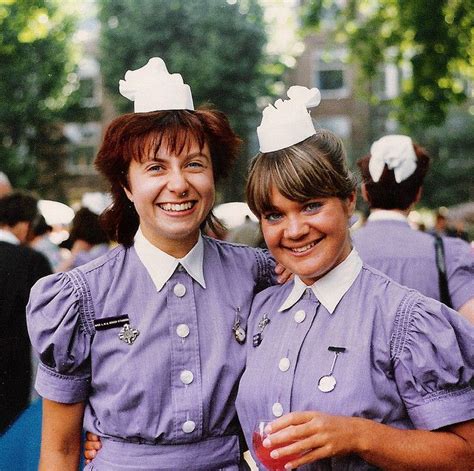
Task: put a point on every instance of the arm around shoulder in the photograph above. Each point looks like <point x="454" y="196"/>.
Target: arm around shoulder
<point x="467" y="310"/>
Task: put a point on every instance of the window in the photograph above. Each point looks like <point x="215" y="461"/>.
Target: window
<point x="83" y="140"/>
<point x="89" y="82"/>
<point x="340" y="125"/>
<point x="386" y="83"/>
<point x="89" y="92"/>
<point x="331" y="79"/>
<point x="330" y="74"/>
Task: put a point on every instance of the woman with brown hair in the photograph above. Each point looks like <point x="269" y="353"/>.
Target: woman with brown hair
<point x="439" y="267"/>
<point x="145" y="345"/>
<point x="356" y="371"/>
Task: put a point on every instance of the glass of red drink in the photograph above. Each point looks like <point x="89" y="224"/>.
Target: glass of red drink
<point x="263" y="454"/>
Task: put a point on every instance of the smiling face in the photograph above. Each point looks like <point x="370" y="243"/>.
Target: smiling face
<point x="309" y="238"/>
<point x="172" y="194"/>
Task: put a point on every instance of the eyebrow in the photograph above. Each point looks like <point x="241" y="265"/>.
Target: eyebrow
<point x="197" y="154"/>
<point x="269" y="209"/>
<point x="156" y="158"/>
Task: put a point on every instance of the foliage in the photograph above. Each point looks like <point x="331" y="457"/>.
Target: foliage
<point x="35" y="61"/>
<point x="431" y="39"/>
<point x="450" y="179"/>
<point x="217" y="46"/>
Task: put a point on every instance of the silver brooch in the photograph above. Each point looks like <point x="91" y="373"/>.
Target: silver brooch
<point x="239" y="332"/>
<point x="258" y="337"/>
<point x="128" y="334"/>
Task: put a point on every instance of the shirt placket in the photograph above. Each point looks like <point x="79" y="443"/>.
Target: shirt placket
<point x="298" y="322"/>
<point x="185" y="357"/>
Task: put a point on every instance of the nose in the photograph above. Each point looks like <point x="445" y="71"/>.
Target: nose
<point x="177" y="182"/>
<point x="296" y="228"/>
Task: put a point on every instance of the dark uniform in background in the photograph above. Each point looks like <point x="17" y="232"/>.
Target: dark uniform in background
<point x="20" y="268"/>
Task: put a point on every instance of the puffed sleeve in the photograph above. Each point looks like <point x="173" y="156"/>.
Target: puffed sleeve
<point x="60" y="337"/>
<point x="433" y="352"/>
<point x="460" y="267"/>
<point x="266" y="275"/>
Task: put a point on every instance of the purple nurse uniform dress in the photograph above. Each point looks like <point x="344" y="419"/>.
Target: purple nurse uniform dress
<point x="388" y="243"/>
<point x="356" y="344"/>
<point x="150" y="344"/>
<point x="85" y="256"/>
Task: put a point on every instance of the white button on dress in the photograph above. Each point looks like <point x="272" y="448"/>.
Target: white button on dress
<point x="182" y="330"/>
<point x="300" y="316"/>
<point x="186" y="377"/>
<point x="188" y="426"/>
<point x="179" y="290"/>
<point x="284" y="364"/>
<point x="277" y="409"/>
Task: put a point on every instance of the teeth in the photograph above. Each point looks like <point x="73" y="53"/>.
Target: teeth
<point x="303" y="249"/>
<point x="176" y="206"/>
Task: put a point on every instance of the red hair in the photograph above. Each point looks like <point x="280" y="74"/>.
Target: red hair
<point x="139" y="135"/>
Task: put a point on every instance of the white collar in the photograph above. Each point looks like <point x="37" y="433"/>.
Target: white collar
<point x="7" y="236"/>
<point x="331" y="287"/>
<point x="386" y="215"/>
<point x="161" y="266"/>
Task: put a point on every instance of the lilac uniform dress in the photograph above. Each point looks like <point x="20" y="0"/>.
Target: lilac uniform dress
<point x="408" y="256"/>
<point x="85" y="256"/>
<point x="164" y="400"/>
<point x="407" y="360"/>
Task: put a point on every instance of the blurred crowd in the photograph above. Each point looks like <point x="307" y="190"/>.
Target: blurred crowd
<point x="29" y="251"/>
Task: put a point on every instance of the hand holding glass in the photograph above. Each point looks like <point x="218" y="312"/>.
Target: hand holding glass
<point x="263" y="454"/>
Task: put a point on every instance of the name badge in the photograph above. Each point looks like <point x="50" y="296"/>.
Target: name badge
<point x="111" y="322"/>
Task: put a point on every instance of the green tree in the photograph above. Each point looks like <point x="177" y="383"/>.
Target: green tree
<point x="450" y="179"/>
<point x="432" y="42"/>
<point x="34" y="62"/>
<point x="217" y="46"/>
<point x="431" y="38"/>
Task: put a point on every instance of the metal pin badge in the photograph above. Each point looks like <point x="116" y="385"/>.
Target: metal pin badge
<point x="239" y="332"/>
<point x="328" y="382"/>
<point x="128" y="334"/>
<point x="258" y="337"/>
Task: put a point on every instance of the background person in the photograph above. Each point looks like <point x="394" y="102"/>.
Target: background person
<point x="87" y="240"/>
<point x="20" y="268"/>
<point x="392" y="179"/>
<point x="39" y="240"/>
<point x="358" y="371"/>
<point x="441" y="224"/>
<point x="147" y="341"/>
<point x="5" y="185"/>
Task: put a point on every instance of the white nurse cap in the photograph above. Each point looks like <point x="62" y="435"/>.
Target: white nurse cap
<point x="153" y="88"/>
<point x="395" y="151"/>
<point x="288" y="121"/>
